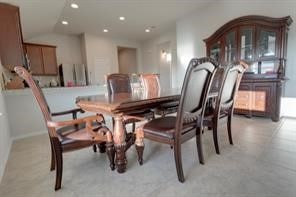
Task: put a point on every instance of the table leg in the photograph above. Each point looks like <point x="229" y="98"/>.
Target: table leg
<point x="119" y="144"/>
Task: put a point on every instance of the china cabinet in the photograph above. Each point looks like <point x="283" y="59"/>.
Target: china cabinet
<point x="261" y="42"/>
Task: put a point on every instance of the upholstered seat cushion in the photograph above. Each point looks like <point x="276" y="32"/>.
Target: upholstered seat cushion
<point x="165" y="127"/>
<point x="75" y="136"/>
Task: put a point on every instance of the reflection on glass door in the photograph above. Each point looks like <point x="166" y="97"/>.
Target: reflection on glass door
<point x="215" y="51"/>
<point x="267" y="41"/>
<point x="246" y="44"/>
<point x="230" y="47"/>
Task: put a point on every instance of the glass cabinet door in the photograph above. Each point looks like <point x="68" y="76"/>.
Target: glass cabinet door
<point x="215" y="51"/>
<point x="267" y="43"/>
<point x="230" y="47"/>
<point x="246" y="43"/>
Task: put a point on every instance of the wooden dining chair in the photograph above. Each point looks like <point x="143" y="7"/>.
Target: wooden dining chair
<point x="151" y="84"/>
<point x="120" y="83"/>
<point x="224" y="104"/>
<point x="175" y="130"/>
<point x="69" y="135"/>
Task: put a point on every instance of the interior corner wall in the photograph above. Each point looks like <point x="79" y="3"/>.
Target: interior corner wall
<point x="102" y="48"/>
<point x="193" y="28"/>
<point x="150" y="56"/>
<point x="5" y="138"/>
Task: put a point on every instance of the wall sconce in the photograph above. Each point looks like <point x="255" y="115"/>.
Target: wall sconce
<point x="166" y="56"/>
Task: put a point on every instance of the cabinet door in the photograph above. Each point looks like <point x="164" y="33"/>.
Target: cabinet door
<point x="262" y="97"/>
<point x="11" y="49"/>
<point x="267" y="43"/>
<point x="49" y="60"/>
<point x="244" y="99"/>
<point x="246" y="43"/>
<point x="35" y="59"/>
<point x="215" y="51"/>
<point x="230" y="47"/>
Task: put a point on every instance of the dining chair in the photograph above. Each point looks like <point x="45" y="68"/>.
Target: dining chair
<point x="69" y="135"/>
<point x="224" y="104"/>
<point x="151" y="84"/>
<point x="188" y="123"/>
<point x="120" y="83"/>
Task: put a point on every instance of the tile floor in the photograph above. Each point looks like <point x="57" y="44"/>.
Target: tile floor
<point x="262" y="163"/>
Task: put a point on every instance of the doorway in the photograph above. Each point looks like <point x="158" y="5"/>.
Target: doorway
<point x="127" y="60"/>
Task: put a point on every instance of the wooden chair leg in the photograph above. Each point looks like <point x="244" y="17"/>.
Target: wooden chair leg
<point x="229" y="118"/>
<point x="59" y="166"/>
<point x="111" y="154"/>
<point x="95" y="148"/>
<point x="102" y="147"/>
<point x="199" y="146"/>
<point x="215" y="137"/>
<point x="52" y="165"/>
<point x="133" y="126"/>
<point x="178" y="161"/>
<point x="140" y="150"/>
<point x="139" y="144"/>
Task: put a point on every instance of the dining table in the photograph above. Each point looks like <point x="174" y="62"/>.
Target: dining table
<point x="120" y="104"/>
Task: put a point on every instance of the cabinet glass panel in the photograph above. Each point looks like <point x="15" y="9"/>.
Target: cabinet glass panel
<point x="230" y="47"/>
<point x="246" y="43"/>
<point x="267" y="41"/>
<point x="269" y="67"/>
<point x="215" y="51"/>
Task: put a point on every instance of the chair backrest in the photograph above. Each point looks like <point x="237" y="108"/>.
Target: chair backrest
<point x="230" y="84"/>
<point x="38" y="94"/>
<point x="118" y="83"/>
<point x="195" y="90"/>
<point x="151" y="84"/>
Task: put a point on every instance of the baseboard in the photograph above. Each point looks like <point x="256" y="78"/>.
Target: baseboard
<point x="28" y="135"/>
<point x="6" y="156"/>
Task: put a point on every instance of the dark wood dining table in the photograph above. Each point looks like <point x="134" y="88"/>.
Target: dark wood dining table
<point x="117" y="106"/>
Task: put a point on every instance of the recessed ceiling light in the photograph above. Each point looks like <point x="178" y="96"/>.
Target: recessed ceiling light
<point x="65" y="22"/>
<point x="74" y="5"/>
<point x="147" y="30"/>
<point x="122" y="18"/>
<point x="105" y="30"/>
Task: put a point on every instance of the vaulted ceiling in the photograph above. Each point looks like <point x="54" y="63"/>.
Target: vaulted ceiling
<point x="92" y="16"/>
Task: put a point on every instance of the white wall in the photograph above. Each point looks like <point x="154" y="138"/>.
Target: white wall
<point x="150" y="53"/>
<point x="103" y="48"/>
<point x="5" y="139"/>
<point x="193" y="28"/>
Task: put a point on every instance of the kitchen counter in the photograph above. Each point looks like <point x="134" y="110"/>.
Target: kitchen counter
<point x="53" y="90"/>
<point x="24" y="115"/>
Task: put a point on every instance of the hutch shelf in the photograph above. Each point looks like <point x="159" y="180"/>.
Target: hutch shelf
<point x="261" y="42"/>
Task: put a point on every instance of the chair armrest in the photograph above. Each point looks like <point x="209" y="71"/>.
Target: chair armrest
<point x="54" y="124"/>
<point x="72" y="111"/>
<point x="103" y="133"/>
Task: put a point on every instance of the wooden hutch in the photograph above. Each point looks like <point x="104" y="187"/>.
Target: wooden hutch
<point x="262" y="43"/>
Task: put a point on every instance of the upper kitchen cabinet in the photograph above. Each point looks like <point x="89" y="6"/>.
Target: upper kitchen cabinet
<point x="11" y="48"/>
<point x="261" y="42"/>
<point x="41" y="59"/>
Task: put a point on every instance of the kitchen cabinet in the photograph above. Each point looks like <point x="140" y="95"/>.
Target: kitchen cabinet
<point x="261" y="42"/>
<point x="11" y="41"/>
<point x="42" y="59"/>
